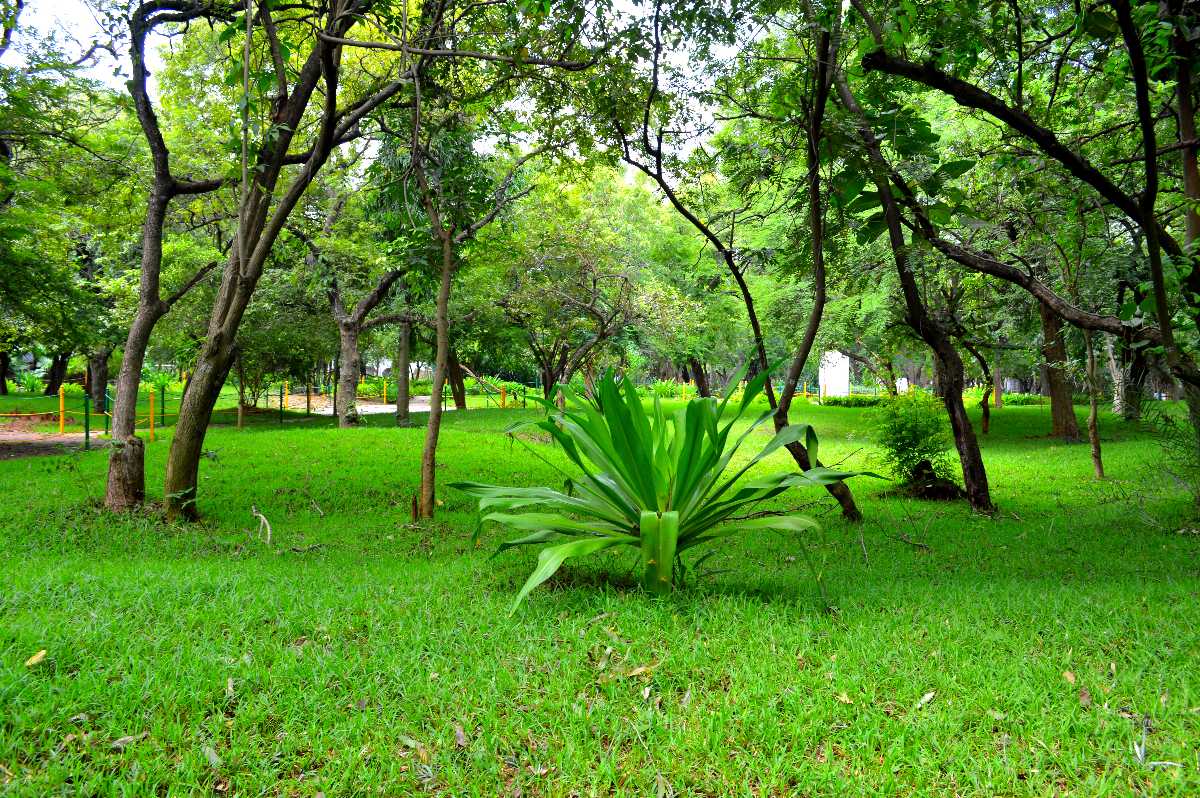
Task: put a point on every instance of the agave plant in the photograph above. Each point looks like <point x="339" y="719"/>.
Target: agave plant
<point x="651" y="480"/>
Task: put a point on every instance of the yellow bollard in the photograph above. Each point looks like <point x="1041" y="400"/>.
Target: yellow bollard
<point x="152" y="416"/>
<point x="806" y="390"/>
<point x="62" y="408"/>
<point x="385" y="392"/>
<point x="503" y="396"/>
<point x="287" y="396"/>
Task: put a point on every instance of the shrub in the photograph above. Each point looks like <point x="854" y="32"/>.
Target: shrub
<point x="650" y="480"/>
<point x="30" y="382"/>
<point x="859" y="400"/>
<point x="1022" y="399"/>
<point x="911" y="428"/>
<point x="665" y="389"/>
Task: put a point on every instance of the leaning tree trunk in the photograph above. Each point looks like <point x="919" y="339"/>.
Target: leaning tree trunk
<point x="98" y="378"/>
<point x="403" y="356"/>
<point x="346" y="404"/>
<point x="57" y="373"/>
<point x="428" y="498"/>
<point x="946" y="357"/>
<point x="1093" y="423"/>
<point x="1064" y="425"/>
<point x="195" y="413"/>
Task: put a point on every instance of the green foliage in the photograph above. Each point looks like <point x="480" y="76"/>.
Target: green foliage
<point x="30" y="382"/>
<point x="856" y="400"/>
<point x="651" y="481"/>
<point x="913" y="427"/>
<point x="665" y="389"/>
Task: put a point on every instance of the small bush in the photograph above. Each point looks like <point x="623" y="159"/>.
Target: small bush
<point x="665" y="389"/>
<point x="1023" y="399"/>
<point x="911" y="428"/>
<point x="30" y="382"/>
<point x="859" y="400"/>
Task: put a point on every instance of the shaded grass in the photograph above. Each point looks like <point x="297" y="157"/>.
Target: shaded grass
<point x="343" y="659"/>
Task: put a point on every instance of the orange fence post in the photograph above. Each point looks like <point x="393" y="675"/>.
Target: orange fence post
<point x="503" y="396"/>
<point x="152" y="416"/>
<point x="62" y="408"/>
<point x="287" y="396"/>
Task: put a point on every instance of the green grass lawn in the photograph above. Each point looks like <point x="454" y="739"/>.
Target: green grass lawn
<point x="1024" y="654"/>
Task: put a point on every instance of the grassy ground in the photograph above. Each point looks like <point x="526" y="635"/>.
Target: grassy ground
<point x="1025" y="654"/>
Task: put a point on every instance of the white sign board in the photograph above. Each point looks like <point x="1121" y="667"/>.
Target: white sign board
<point x="835" y="374"/>
<point x="902" y="385"/>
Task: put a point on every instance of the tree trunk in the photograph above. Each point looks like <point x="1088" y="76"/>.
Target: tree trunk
<point x="126" y="481"/>
<point x="997" y="386"/>
<point x="428" y="498"/>
<point x="98" y="378"/>
<point x="346" y="405"/>
<point x="195" y="412"/>
<point x="454" y="375"/>
<point x="57" y="373"/>
<point x="950" y="366"/>
<point x="1134" y="387"/>
<point x="701" y="377"/>
<point x="126" y="473"/>
<point x="403" y="356"/>
<point x="1093" y="422"/>
<point x="4" y="366"/>
<point x="1064" y="425"/>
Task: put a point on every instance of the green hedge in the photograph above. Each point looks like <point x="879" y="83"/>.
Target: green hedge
<point x="854" y="401"/>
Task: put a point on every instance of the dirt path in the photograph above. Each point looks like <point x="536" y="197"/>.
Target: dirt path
<point x="21" y="443"/>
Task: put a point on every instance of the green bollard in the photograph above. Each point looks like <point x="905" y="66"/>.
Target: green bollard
<point x="87" y="422"/>
<point x="162" y="405"/>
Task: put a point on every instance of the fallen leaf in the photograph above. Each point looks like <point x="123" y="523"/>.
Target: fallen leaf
<point x="35" y="659"/>
<point x="229" y="688"/>
<point x="211" y="755"/>
<point x="362" y="704"/>
<point x="687" y="699"/>
<point x="662" y="788"/>
<point x="539" y="770"/>
<point x="1085" y="697"/>
<point x="640" y="669"/>
<point x="996" y="714"/>
<point x="221" y="786"/>
<point x="121" y="742"/>
<point x="80" y="718"/>
<point x="845" y="699"/>
<point x="1069" y="676"/>
<point x="646" y="693"/>
<point x="460" y="737"/>
<point x="925" y="699"/>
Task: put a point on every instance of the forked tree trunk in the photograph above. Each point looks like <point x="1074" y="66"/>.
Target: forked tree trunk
<point x="346" y="405"/>
<point x="1063" y="423"/>
<point x="403" y="357"/>
<point x="427" y="501"/>
<point x="1093" y="422"/>
<point x="57" y="373"/>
